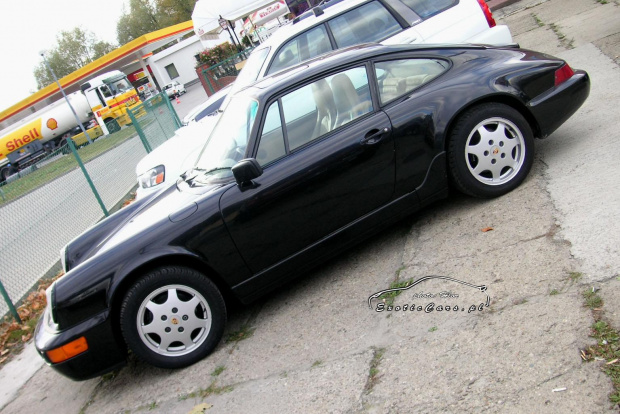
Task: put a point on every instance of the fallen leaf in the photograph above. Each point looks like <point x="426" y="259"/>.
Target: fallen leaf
<point x="3" y="353"/>
<point x="612" y="362"/>
<point x="486" y="229"/>
<point x="200" y="408"/>
<point x="26" y="338"/>
<point x="3" y="359"/>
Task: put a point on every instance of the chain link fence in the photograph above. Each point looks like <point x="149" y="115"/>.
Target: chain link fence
<point x="45" y="206"/>
<point x="218" y="76"/>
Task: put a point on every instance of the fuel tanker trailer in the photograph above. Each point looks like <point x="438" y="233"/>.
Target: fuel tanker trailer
<point x="105" y="98"/>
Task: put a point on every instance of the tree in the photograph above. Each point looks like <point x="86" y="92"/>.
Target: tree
<point x="140" y="19"/>
<point x="75" y="49"/>
<point x="172" y="12"/>
<point x="145" y="16"/>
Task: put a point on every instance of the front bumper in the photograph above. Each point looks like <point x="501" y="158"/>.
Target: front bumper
<point x="104" y="353"/>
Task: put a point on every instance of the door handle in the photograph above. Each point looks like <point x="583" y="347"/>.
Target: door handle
<point x="374" y="136"/>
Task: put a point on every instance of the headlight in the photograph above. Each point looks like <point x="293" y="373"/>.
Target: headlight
<point x="63" y="258"/>
<point x="152" y="177"/>
<point x="50" y="317"/>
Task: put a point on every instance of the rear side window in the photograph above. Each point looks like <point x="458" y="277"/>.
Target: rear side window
<point x="398" y="77"/>
<point x="303" y="47"/>
<point x="369" y="23"/>
<point x="428" y="8"/>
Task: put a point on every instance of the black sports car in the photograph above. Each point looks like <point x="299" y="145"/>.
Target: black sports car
<point x="300" y="166"/>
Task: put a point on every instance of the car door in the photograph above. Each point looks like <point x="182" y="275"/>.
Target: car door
<point x="328" y="159"/>
<point x="413" y="114"/>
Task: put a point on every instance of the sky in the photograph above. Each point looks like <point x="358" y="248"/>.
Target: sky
<point x="29" y="26"/>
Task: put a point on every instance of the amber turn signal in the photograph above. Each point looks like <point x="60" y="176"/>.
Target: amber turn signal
<point x="67" y="351"/>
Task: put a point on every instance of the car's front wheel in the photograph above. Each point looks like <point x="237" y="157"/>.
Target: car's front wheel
<point x="490" y="150"/>
<point x="173" y="317"/>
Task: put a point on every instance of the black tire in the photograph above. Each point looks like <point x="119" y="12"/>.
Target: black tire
<point x="497" y="163"/>
<point x="6" y="172"/>
<point x="192" y="320"/>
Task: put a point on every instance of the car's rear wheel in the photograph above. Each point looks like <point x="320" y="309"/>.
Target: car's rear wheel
<point x="490" y="150"/>
<point x="173" y="317"/>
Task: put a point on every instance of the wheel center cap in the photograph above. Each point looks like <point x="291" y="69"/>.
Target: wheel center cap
<point x="495" y="150"/>
<point x="174" y="321"/>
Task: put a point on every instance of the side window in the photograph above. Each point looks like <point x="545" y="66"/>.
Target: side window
<point x="287" y="56"/>
<point x="303" y="47"/>
<point x="369" y="23"/>
<point x="318" y="42"/>
<point x="106" y="91"/>
<point x="271" y="145"/>
<point x="428" y="8"/>
<point x="398" y="77"/>
<point x="316" y="109"/>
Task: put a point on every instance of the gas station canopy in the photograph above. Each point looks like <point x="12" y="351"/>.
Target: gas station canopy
<point x="137" y="49"/>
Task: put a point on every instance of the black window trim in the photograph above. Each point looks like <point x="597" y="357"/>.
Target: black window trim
<point x="374" y="96"/>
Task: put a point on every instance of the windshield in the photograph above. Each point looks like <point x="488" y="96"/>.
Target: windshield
<point x="119" y="85"/>
<point x="250" y="71"/>
<point x="228" y="141"/>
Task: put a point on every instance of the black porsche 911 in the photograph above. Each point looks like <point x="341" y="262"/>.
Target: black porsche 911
<point x="299" y="167"/>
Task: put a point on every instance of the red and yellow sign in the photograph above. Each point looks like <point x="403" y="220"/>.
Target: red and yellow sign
<point x="52" y="124"/>
<point x="20" y="137"/>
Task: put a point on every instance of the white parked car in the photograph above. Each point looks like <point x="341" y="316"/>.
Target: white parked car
<point x="174" y="89"/>
<point x="342" y="24"/>
<point x="208" y="107"/>
<point x="162" y="166"/>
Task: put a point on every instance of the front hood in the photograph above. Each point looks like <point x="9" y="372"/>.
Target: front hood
<point x="185" y="144"/>
<point x="134" y="222"/>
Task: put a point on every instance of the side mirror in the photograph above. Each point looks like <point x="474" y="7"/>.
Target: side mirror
<point x="246" y="170"/>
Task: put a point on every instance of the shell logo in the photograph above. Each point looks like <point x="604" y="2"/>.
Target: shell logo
<point x="52" y="124"/>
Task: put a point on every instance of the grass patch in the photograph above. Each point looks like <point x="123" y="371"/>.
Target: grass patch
<point x="373" y="371"/>
<point x="607" y="351"/>
<point x="243" y="333"/>
<point x="592" y="300"/>
<point x="568" y="44"/>
<point x="388" y="297"/>
<point x="537" y="20"/>
<point x="62" y="165"/>
<point x="554" y="292"/>
<point x="217" y="371"/>
<point x="317" y="363"/>
<point x="433" y="329"/>
<point x="575" y="276"/>
<point x="205" y="392"/>
<point x="214" y="389"/>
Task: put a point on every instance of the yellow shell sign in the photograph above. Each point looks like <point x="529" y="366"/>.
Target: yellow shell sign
<point x="20" y="137"/>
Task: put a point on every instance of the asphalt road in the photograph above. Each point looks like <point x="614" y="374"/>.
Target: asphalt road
<point x="317" y="347"/>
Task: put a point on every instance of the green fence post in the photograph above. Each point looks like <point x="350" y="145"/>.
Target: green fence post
<point x="90" y="182"/>
<point x="175" y="116"/>
<point x="139" y="130"/>
<point x="5" y="295"/>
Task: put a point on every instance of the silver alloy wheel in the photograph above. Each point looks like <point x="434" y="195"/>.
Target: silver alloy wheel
<point x="174" y="320"/>
<point x="495" y="151"/>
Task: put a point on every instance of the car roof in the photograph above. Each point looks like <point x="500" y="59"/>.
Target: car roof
<point x="338" y="57"/>
<point x="284" y="33"/>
